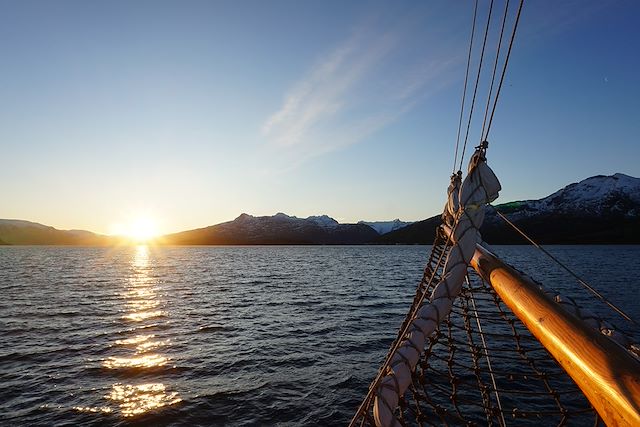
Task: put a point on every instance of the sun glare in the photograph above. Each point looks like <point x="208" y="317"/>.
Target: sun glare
<point x="139" y="230"/>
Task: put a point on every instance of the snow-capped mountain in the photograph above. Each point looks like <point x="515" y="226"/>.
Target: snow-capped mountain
<point x="600" y="209"/>
<point x="384" y="227"/>
<point x="324" y="221"/>
<point x="285" y="229"/>
<point x="614" y="195"/>
<point x="277" y="229"/>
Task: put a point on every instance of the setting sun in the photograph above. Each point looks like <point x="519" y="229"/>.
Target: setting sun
<point x="141" y="229"/>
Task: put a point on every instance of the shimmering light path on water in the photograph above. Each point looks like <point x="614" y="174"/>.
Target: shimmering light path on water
<point x="224" y="335"/>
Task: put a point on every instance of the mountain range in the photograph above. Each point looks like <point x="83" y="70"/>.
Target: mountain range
<point x="279" y="229"/>
<point x="20" y="232"/>
<point x="600" y="209"/>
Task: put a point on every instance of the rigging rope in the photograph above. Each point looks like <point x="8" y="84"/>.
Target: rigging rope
<point x="504" y="70"/>
<point x="421" y="293"/>
<point x="424" y="379"/>
<point x="432" y="399"/>
<point x="580" y="280"/>
<point x="503" y="423"/>
<point x="475" y="90"/>
<point x="495" y="67"/>
<point x="463" y="214"/>
<point x="464" y="91"/>
<point x="453" y="384"/>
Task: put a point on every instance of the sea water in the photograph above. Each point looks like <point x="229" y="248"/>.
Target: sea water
<point x="228" y="335"/>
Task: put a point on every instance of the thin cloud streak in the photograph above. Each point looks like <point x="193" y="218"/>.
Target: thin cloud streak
<point x="351" y="94"/>
<point x="323" y="94"/>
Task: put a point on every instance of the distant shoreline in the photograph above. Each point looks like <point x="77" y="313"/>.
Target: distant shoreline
<point x="6" y="245"/>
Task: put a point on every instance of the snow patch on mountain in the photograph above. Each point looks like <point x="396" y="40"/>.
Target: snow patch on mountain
<point x="617" y="194"/>
<point x="384" y="227"/>
<point x="595" y="189"/>
<point x="324" y="221"/>
<point x="283" y="216"/>
<point x="244" y="217"/>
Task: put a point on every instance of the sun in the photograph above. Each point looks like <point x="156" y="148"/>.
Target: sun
<point x="143" y="229"/>
<point x="139" y="230"/>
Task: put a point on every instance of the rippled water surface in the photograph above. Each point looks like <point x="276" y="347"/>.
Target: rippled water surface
<point x="226" y="335"/>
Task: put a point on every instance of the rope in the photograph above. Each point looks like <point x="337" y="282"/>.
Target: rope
<point x="445" y="389"/>
<point x="503" y="423"/>
<point x="578" y="278"/>
<point x="401" y="333"/>
<point x="596" y="322"/>
<point x="532" y="384"/>
<point x="443" y="298"/>
<point x="476" y="356"/>
<point x="504" y="69"/>
<point x="475" y="90"/>
<point x="495" y="67"/>
<point x="464" y="91"/>
<point x="479" y="187"/>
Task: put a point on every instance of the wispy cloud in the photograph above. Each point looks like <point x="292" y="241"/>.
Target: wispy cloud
<point x="361" y="86"/>
<point x="323" y="93"/>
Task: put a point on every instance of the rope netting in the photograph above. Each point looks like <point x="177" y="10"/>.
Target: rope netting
<point x="483" y="367"/>
<point x="461" y="357"/>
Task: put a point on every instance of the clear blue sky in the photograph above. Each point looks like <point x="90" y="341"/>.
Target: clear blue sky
<point x="192" y="112"/>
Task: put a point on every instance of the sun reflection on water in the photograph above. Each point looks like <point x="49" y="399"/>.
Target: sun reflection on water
<point x="141" y="296"/>
<point x="147" y="361"/>
<point x="144" y="315"/>
<point x="138" y="339"/>
<point x="138" y="399"/>
<point x="149" y="345"/>
<point x="104" y="409"/>
<point x="142" y="302"/>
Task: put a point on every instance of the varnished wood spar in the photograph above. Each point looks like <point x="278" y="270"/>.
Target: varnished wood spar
<point x="607" y="375"/>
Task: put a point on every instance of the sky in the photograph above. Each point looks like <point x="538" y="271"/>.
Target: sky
<point x="192" y="112"/>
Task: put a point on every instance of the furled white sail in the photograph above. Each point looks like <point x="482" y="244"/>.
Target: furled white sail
<point x="464" y="213"/>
